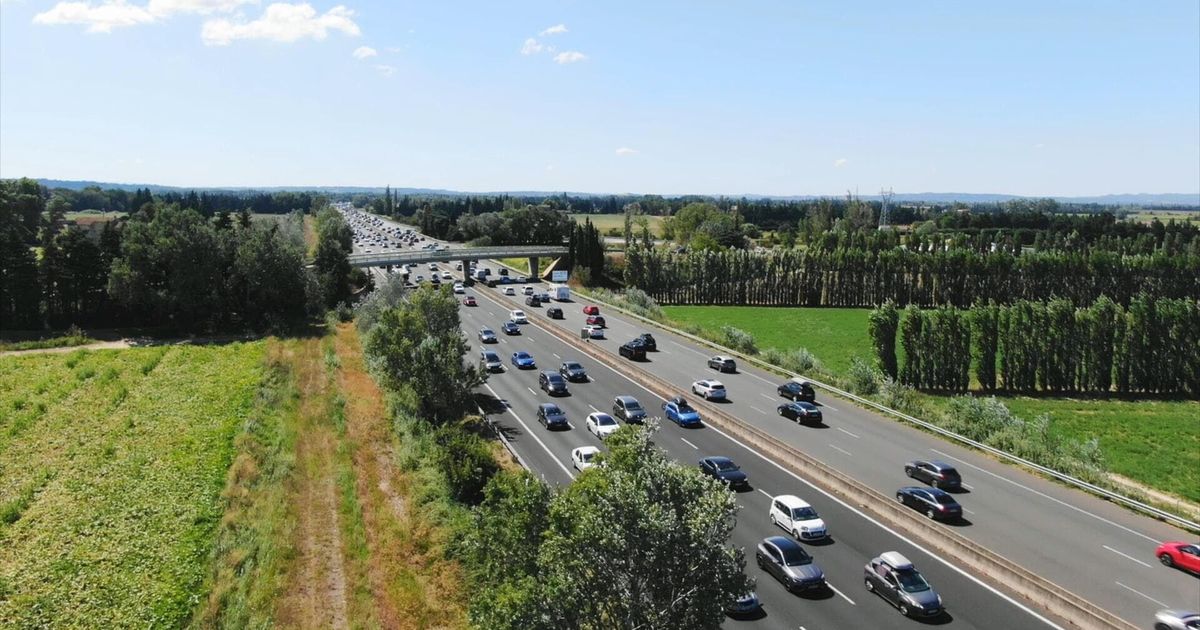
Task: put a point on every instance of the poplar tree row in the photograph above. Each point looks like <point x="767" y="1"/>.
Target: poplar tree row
<point x="862" y="278"/>
<point x="1149" y="346"/>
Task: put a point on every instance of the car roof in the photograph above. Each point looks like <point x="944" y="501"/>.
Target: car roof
<point x="803" y="404"/>
<point x="782" y="542"/>
<point x="586" y="449"/>
<point x="626" y="399"/>
<point x="792" y="501"/>
<point x="548" y="406"/>
<point x="717" y="459"/>
<point x="895" y="559"/>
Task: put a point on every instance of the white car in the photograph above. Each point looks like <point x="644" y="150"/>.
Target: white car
<point x="509" y="291"/>
<point x="446" y="276"/>
<point x="601" y="424"/>
<point x="517" y="315"/>
<point x="528" y="290"/>
<point x="709" y="389"/>
<point x="459" y="288"/>
<point x="795" y="516"/>
<point x="432" y="267"/>
<point x="595" y="332"/>
<point x="581" y="458"/>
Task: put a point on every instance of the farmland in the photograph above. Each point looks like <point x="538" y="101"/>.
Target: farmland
<point x="1152" y="442"/>
<point x="606" y="223"/>
<point x="111" y="470"/>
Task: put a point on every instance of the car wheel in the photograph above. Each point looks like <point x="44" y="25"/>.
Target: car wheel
<point x="869" y="584"/>
<point x="779" y="410"/>
<point x="1166" y="560"/>
<point x="1161" y="626"/>
<point x="929" y="514"/>
<point x="773" y="521"/>
<point x="908" y="472"/>
<point x="903" y="608"/>
<point x="796" y="534"/>
<point x="899" y="498"/>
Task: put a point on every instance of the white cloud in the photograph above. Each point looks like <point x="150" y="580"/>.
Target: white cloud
<point x="532" y="47"/>
<point x="570" y="56"/>
<point x="385" y="69"/>
<point x="362" y="52"/>
<point x="163" y="8"/>
<point x="101" y="18"/>
<point x="840" y="162"/>
<point x="626" y="151"/>
<point x="557" y="29"/>
<point x="282" y="22"/>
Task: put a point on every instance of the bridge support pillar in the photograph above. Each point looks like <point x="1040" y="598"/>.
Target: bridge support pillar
<point x="533" y="269"/>
<point x="466" y="265"/>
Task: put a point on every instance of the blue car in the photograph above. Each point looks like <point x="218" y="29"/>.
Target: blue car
<point x="511" y="328"/>
<point x="523" y="360"/>
<point x="680" y="412"/>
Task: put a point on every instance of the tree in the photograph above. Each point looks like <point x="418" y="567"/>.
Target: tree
<point x="910" y="339"/>
<point x="19" y="287"/>
<point x="881" y="325"/>
<point x="334" y="242"/>
<point x="985" y="321"/>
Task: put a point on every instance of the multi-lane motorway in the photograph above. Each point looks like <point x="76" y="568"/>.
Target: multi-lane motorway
<point x="1097" y="550"/>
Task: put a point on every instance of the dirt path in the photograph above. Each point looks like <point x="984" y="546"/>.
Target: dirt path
<point x="315" y="596"/>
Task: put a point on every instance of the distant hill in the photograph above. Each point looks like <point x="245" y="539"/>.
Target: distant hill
<point x="1133" y="199"/>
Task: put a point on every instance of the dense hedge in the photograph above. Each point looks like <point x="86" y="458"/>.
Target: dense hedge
<point x="862" y="278"/>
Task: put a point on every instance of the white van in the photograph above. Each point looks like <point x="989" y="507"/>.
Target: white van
<point x="797" y="517"/>
<point x="560" y="292"/>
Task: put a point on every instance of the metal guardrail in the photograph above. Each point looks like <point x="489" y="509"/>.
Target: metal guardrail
<point x="1063" y="477"/>
<point x="452" y="255"/>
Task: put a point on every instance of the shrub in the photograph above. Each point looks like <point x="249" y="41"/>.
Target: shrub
<point x="799" y="360"/>
<point x="900" y="397"/>
<point x="739" y="340"/>
<point x="862" y="378"/>
<point x="467" y="462"/>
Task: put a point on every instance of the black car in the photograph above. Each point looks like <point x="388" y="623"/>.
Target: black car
<point x="633" y="350"/>
<point x="511" y="328"/>
<point x="785" y="560"/>
<point x="648" y="340"/>
<point x="552" y="417"/>
<point x="629" y="409"/>
<point x="533" y="300"/>
<point x="800" y="412"/>
<point x="722" y="364"/>
<point x="554" y="312"/>
<point x="797" y="390"/>
<point x="934" y="503"/>
<point x="723" y="469"/>
<point x="552" y="383"/>
<point x="573" y="371"/>
<point x="935" y="473"/>
<point x="503" y="271"/>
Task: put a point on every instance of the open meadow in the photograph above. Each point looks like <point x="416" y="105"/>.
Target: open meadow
<point x="608" y="222"/>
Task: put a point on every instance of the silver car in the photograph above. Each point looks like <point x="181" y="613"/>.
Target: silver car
<point x="894" y="578"/>
<point x="785" y="560"/>
<point x="1176" y="620"/>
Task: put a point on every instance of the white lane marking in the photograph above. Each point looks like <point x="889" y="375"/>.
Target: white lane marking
<point x="1142" y="594"/>
<point x="570" y="425"/>
<point x="591" y="380"/>
<point x="532" y="434"/>
<point x="594" y="408"/>
<point x="1126" y="556"/>
<point x="847" y="433"/>
<point x="843" y="595"/>
<point x="967" y="487"/>
<point x="685" y="441"/>
<point x="971" y="512"/>
<point x="757" y="409"/>
<point x="692" y="350"/>
<point x="829" y="407"/>
<point x="766" y="494"/>
<point x="760" y="378"/>
<point x="503" y="340"/>
<point x="835" y="447"/>
<point x="770" y="398"/>
<point x="893" y="532"/>
<point x="556" y="355"/>
<point x="531" y="391"/>
<point x="1046" y="496"/>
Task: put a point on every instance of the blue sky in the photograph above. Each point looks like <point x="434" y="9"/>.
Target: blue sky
<point x="1035" y="98"/>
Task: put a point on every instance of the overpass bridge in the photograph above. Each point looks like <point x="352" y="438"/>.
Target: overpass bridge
<point x="465" y="254"/>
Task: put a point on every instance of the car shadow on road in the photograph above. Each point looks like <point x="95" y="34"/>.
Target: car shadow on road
<point x="937" y="620"/>
<point x="761" y="613"/>
<point x="820" y="542"/>
<point x="961" y="521"/>
<point x="814" y="425"/>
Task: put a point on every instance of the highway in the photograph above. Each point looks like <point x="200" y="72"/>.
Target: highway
<point x="1089" y="546"/>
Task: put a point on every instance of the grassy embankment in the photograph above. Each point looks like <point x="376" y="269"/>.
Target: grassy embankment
<point x="1153" y="442"/>
<point x="246" y="485"/>
<point x="74" y="337"/>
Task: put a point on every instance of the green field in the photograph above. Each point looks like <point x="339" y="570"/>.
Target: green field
<point x="1179" y="216"/>
<point x="1153" y="442"/>
<point x="607" y="222"/>
<point x="112" y="464"/>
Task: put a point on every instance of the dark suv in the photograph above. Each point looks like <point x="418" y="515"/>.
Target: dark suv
<point x="533" y="300"/>
<point x="554" y="312"/>
<point x="552" y="417"/>
<point x="797" y="390"/>
<point x="648" y="341"/>
<point x="552" y="382"/>
<point x="634" y="350"/>
<point x="937" y="474"/>
<point x="573" y="371"/>
<point x="628" y="409"/>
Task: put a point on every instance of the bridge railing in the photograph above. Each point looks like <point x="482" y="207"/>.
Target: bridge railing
<point x="377" y="259"/>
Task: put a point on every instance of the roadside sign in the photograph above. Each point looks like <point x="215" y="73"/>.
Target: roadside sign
<point x="558" y="276"/>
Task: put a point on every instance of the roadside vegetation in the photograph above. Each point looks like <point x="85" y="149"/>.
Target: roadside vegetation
<point x="73" y="337"/>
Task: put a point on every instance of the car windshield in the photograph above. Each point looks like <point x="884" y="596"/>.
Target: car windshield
<point x="683" y="406"/>
<point x="795" y="556"/>
<point x="912" y="581"/>
<point x="804" y="514"/>
<point x="552" y="410"/>
<point x="486" y="331"/>
<point x="950" y="473"/>
<point x="587" y="455"/>
<point x="554" y="378"/>
<point x="724" y="465"/>
<point x="490" y="356"/>
<point x="573" y="366"/>
<point x="522" y="355"/>
<point x="605" y="420"/>
<point x="944" y="499"/>
<point x="633" y="405"/>
<point x="716" y="386"/>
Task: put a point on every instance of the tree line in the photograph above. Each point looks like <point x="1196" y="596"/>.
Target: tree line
<point x="1148" y="346"/>
<point x="165" y="266"/>
<point x="864" y="278"/>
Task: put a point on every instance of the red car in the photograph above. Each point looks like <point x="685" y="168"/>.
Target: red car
<point x="591" y="310"/>
<point x="1183" y="555"/>
<point x="596" y="320"/>
<point x="469" y="300"/>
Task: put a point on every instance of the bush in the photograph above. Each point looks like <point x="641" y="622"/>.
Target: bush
<point x="633" y="300"/>
<point x="738" y="339"/>
<point x="799" y="360"/>
<point x="862" y="378"/>
<point x="900" y="397"/>
<point x="467" y="462"/>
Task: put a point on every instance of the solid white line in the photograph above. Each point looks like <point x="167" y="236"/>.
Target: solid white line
<point x="835" y="590"/>
<point x="685" y="441"/>
<point x="841" y="449"/>
<point x="765" y="493"/>
<point x="532" y="434"/>
<point x="893" y="532"/>
<point x="1143" y="595"/>
<point x="757" y="409"/>
<point x="847" y="433"/>
<point x="1046" y="496"/>
<point x="1126" y="556"/>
